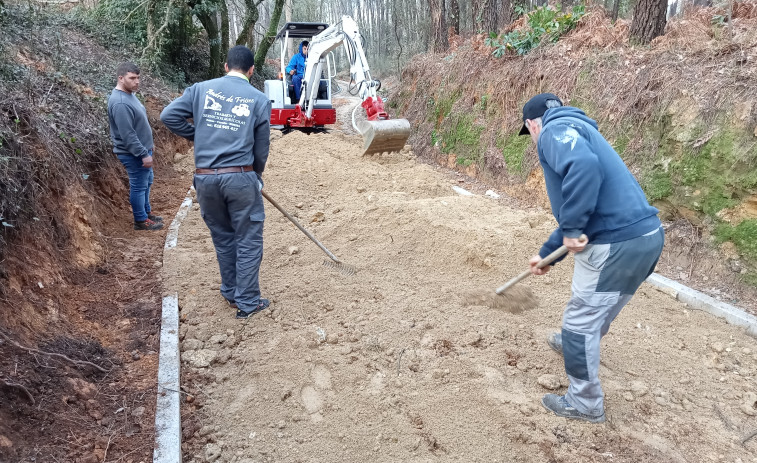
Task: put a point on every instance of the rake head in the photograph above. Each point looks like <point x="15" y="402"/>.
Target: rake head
<point x="341" y="267"/>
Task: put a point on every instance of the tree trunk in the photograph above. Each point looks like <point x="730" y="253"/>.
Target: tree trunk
<point x="205" y="13"/>
<point x="615" y="10"/>
<point x="506" y="15"/>
<point x="439" y="42"/>
<point x="485" y="16"/>
<point x="251" y="16"/>
<point x="288" y="18"/>
<point x="648" y="20"/>
<point x="224" y="28"/>
<point x="454" y="16"/>
<point x="152" y="20"/>
<point x="267" y="41"/>
<point x="154" y="32"/>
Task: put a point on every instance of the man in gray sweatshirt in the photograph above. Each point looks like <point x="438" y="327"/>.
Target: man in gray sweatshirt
<point x="231" y="133"/>
<point x="132" y="143"/>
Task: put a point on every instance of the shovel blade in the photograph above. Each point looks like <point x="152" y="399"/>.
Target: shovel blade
<point x="384" y="136"/>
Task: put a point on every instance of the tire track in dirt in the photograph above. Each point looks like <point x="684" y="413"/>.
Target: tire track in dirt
<point x="390" y="365"/>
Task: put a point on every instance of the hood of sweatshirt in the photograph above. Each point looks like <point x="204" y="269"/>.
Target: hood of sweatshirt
<point x="554" y="114"/>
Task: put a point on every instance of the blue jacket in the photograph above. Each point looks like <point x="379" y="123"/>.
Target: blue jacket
<point x="591" y="190"/>
<point x="297" y="63"/>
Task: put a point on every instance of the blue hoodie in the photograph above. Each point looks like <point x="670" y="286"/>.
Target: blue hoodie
<point x="297" y="63"/>
<point x="591" y="190"/>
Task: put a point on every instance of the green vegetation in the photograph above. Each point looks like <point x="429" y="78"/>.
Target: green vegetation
<point x="513" y="150"/>
<point x="743" y="235"/>
<point x="545" y="25"/>
<point x="463" y="138"/>
<point x="705" y="176"/>
<point x="483" y="102"/>
<point x="657" y="185"/>
<point x="122" y="25"/>
<point x="621" y="143"/>
<point x="443" y="106"/>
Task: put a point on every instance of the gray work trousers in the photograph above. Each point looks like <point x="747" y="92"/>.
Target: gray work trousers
<point x="604" y="279"/>
<point x="232" y="207"/>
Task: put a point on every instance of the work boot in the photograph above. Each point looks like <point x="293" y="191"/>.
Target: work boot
<point x="261" y="305"/>
<point x="147" y="224"/>
<point x="554" y="340"/>
<point x="154" y="218"/>
<point x="560" y="407"/>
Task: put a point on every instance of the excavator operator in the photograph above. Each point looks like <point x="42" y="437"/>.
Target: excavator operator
<point x="296" y="68"/>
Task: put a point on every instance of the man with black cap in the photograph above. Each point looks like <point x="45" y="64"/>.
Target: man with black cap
<point x="592" y="193"/>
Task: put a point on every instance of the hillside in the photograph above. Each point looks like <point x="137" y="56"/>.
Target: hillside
<point x="682" y="113"/>
<point x="79" y="289"/>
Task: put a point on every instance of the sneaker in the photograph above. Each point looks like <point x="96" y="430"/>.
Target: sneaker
<point x="232" y="303"/>
<point x="154" y="218"/>
<point x="147" y="224"/>
<point x="560" y="407"/>
<point x="261" y="305"/>
<point x="554" y="340"/>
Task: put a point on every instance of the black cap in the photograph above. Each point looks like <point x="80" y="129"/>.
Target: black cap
<point x="536" y="107"/>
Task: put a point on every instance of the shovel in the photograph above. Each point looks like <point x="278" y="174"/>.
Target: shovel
<point x="335" y="262"/>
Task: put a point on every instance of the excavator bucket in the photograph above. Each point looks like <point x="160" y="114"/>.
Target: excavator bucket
<point x="384" y="136"/>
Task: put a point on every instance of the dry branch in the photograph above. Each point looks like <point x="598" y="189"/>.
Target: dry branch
<point x="153" y="41"/>
<point x="53" y="354"/>
<point x="19" y="386"/>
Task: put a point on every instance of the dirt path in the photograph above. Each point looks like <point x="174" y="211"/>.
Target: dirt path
<point x="391" y="365"/>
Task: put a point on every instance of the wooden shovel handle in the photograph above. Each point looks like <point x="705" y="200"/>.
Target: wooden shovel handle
<point x="559" y="252"/>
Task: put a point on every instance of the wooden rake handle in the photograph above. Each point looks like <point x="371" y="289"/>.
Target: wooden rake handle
<point x="559" y="252"/>
<point x="302" y="229"/>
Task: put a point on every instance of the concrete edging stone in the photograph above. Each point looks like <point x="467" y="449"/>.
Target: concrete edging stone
<point x="700" y="301"/>
<point x="168" y="408"/>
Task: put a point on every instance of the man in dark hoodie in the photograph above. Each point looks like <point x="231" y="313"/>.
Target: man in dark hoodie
<point x="592" y="193"/>
<point x="231" y="136"/>
<point x="296" y="68"/>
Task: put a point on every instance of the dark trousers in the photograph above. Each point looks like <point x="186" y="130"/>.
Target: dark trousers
<point x="232" y="207"/>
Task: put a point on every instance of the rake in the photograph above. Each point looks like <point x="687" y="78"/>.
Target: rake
<point x="334" y="263"/>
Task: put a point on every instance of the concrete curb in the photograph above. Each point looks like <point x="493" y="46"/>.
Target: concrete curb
<point x="701" y="301"/>
<point x="172" y="237"/>
<point x="168" y="408"/>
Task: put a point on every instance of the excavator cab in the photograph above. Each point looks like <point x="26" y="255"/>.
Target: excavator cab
<point x="315" y="110"/>
<point x="286" y="111"/>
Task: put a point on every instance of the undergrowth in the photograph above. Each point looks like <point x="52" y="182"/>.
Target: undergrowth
<point x="52" y="125"/>
<point x="743" y="235"/>
<point x="545" y="25"/>
<point x="462" y="136"/>
<point x="513" y="149"/>
<point x="121" y="25"/>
